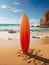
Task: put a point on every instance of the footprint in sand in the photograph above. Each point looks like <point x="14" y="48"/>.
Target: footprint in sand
<point x="29" y="59"/>
<point x="43" y="63"/>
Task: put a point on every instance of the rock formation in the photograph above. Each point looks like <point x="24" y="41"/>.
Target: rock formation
<point x="44" y="22"/>
<point x="11" y="31"/>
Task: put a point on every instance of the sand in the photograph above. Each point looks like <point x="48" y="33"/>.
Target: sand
<point x="11" y="54"/>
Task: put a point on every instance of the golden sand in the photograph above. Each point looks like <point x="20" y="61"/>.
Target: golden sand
<point x="9" y="56"/>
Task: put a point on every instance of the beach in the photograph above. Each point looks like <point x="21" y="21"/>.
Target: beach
<point x="9" y="48"/>
<point x="24" y="32"/>
<point x="11" y="53"/>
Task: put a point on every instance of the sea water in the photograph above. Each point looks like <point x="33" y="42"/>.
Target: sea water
<point x="37" y="29"/>
<point x="4" y="28"/>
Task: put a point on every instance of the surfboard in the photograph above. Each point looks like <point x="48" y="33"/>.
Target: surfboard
<point x="24" y="33"/>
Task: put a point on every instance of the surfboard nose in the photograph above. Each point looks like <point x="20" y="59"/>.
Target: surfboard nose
<point x="24" y="16"/>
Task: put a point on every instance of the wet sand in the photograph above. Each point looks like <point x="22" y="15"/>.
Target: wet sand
<point x="39" y="41"/>
<point x="9" y="55"/>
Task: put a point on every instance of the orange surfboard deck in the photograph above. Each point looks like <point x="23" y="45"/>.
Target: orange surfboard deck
<point x="24" y="33"/>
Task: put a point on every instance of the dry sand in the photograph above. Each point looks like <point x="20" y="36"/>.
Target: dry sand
<point x="38" y="54"/>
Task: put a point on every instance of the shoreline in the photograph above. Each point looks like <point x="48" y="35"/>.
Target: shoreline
<point x="16" y="42"/>
<point x="16" y="35"/>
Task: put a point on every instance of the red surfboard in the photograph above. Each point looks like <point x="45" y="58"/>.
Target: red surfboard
<point x="24" y="33"/>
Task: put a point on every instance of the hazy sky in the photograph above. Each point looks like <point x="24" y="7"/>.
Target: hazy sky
<point x="12" y="10"/>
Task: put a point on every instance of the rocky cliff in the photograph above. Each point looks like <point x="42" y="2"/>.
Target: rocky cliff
<point x="44" y="22"/>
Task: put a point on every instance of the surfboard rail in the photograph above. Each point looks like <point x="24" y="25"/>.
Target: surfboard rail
<point x="24" y="33"/>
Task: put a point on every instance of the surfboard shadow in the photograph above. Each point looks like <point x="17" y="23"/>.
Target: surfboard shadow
<point x="38" y="57"/>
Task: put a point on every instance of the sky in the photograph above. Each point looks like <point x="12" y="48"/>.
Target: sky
<point x="11" y="11"/>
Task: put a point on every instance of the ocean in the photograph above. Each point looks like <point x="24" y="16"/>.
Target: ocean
<point x="6" y="27"/>
<point x="36" y="29"/>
